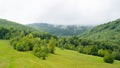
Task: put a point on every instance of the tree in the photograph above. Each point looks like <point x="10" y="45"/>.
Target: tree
<point x="40" y="49"/>
<point x="51" y="45"/>
<point x="44" y="53"/>
<point x="30" y="36"/>
<point x="108" y="58"/>
<point x="37" y="50"/>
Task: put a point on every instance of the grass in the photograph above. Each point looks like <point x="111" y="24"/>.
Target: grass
<point x="10" y="58"/>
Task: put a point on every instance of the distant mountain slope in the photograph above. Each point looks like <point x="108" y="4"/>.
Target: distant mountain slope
<point x="61" y="30"/>
<point x="106" y="32"/>
<point x="9" y="24"/>
<point x="9" y="29"/>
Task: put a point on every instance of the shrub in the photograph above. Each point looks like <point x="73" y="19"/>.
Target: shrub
<point x="108" y="58"/>
<point x="80" y="49"/>
<point x="101" y="52"/>
<point x="116" y="55"/>
<point x="20" y="47"/>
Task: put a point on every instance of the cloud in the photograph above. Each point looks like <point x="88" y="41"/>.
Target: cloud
<point x="66" y="12"/>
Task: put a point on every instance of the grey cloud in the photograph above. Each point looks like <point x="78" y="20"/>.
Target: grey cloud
<point x="83" y="12"/>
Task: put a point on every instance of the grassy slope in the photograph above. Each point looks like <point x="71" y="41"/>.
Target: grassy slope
<point x="10" y="58"/>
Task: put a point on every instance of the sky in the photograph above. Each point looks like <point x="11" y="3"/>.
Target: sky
<point x="62" y="12"/>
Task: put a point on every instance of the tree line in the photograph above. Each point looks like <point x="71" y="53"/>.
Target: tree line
<point x="108" y="50"/>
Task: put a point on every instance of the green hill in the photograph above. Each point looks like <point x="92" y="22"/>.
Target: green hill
<point x="60" y="30"/>
<point x="9" y="29"/>
<point x="106" y="32"/>
<point x="10" y="58"/>
<point x="10" y="24"/>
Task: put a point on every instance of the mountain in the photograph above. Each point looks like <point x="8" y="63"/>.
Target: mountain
<point x="105" y="32"/>
<point x="60" y="30"/>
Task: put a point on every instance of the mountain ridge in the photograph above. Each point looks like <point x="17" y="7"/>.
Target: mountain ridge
<point x="60" y="30"/>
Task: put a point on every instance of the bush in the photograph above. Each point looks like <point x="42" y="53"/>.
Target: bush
<point x="116" y="55"/>
<point x="87" y="50"/>
<point x="108" y="58"/>
<point x="94" y="50"/>
<point x="14" y="44"/>
<point x="80" y="49"/>
<point x="101" y="52"/>
<point x="20" y="47"/>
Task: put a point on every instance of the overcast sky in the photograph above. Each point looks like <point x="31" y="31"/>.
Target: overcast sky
<point x="66" y="12"/>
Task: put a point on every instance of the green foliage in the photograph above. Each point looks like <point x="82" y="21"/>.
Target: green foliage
<point x="61" y="30"/>
<point x="9" y="58"/>
<point x="101" y="52"/>
<point x="29" y="43"/>
<point x="116" y="55"/>
<point x="40" y="49"/>
<point x="26" y="43"/>
<point x="10" y="24"/>
<point x="80" y="49"/>
<point x="69" y="46"/>
<point x="87" y="46"/>
<point x="51" y="45"/>
<point x="9" y="29"/>
<point x="87" y="50"/>
<point x="108" y="32"/>
<point x="96" y="42"/>
<point x="94" y="50"/>
<point x="108" y="58"/>
<point x="91" y="50"/>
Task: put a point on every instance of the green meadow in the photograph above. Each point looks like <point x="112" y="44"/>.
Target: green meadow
<point x="10" y="58"/>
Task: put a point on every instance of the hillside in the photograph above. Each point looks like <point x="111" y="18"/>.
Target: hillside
<point x="9" y="29"/>
<point x="106" y="32"/>
<point x="61" y="59"/>
<point x="10" y="24"/>
<point x="61" y="30"/>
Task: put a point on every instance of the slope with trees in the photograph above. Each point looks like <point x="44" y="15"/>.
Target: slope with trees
<point x="41" y="43"/>
<point x="106" y="32"/>
<point x="61" y="30"/>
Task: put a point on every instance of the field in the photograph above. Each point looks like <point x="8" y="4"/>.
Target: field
<point x="10" y="58"/>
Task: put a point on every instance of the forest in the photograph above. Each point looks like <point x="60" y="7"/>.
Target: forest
<point x="61" y="30"/>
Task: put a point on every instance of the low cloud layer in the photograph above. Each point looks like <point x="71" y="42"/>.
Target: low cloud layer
<point x="66" y="12"/>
